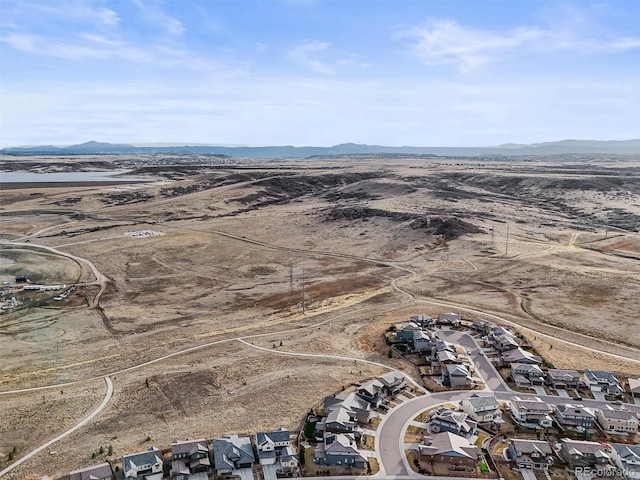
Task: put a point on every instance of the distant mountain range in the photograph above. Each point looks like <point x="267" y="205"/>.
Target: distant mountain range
<point x="509" y="149"/>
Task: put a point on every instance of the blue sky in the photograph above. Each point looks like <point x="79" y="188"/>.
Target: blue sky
<point x="318" y="72"/>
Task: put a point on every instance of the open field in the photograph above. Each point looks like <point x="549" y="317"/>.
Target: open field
<point x="369" y="241"/>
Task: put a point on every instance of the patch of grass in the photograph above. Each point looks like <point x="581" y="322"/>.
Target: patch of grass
<point x="309" y="430"/>
<point x="414" y="434"/>
<point x="481" y="438"/>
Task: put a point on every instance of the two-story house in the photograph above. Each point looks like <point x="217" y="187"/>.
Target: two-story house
<point x="190" y="460"/>
<point x="421" y="342"/>
<point x="526" y="374"/>
<point x="405" y="332"/>
<point x="519" y="355"/>
<point x="600" y="381"/>
<point x="146" y="465"/>
<point x="482" y="408"/>
<point x="422" y="320"/>
<point x="274" y="448"/>
<point x="456" y="376"/>
<point x="483" y="327"/>
<point x="232" y="453"/>
<point x="531" y="454"/>
<point x="446" y="420"/>
<point x="531" y="413"/>
<point x="579" y="453"/>
<point x="344" y="411"/>
<point x="617" y="421"/>
<point x="450" y="448"/>
<point x="574" y="417"/>
<point x="339" y="449"/>
<point x="562" y="378"/>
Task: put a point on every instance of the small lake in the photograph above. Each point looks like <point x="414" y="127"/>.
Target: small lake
<point x="69" y="177"/>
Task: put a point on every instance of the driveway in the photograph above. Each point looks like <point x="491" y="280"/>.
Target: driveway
<point x="244" y="473"/>
<point x="563" y="393"/>
<point x="539" y="389"/>
<point x="527" y="474"/>
<point x="269" y="471"/>
<point x="599" y="396"/>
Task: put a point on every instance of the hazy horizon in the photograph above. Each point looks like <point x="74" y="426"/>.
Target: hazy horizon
<point x="318" y="72"/>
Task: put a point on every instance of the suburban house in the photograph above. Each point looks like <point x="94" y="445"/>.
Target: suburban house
<point x="634" y="387"/>
<point x="231" y="453"/>
<point x="274" y="448"/>
<point x="527" y="374"/>
<point x="575" y="417"/>
<point x="452" y="319"/>
<point x="144" y="465"/>
<point x="579" y="453"/>
<point x="532" y="413"/>
<point x="456" y="376"/>
<point x="627" y="457"/>
<point x="481" y="409"/>
<point x="343" y="412"/>
<point x="532" y="454"/>
<point x="339" y="449"/>
<point x="422" y="320"/>
<point x="445" y="357"/>
<point x="394" y="382"/>
<point x="190" y="460"/>
<point x="95" y="472"/>
<point x="599" y="381"/>
<point x="560" y="378"/>
<point x="380" y="388"/>
<point x="617" y="421"/>
<point x="481" y="326"/>
<point x="405" y="332"/>
<point x="421" y="342"/>
<point x="442" y="346"/>
<point x="445" y="420"/>
<point x="450" y="448"/>
<point x="501" y="339"/>
<point x="519" y="355"/>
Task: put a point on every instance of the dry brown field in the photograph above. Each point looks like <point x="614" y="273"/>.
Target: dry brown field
<point x="370" y="242"/>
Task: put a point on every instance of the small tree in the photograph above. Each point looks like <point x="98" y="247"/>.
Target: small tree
<point x="390" y="353"/>
<point x="110" y="450"/>
<point x="101" y="451"/>
<point x="280" y="342"/>
<point x="146" y="382"/>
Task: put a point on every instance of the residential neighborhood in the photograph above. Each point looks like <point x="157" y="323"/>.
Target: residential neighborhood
<point x="513" y="416"/>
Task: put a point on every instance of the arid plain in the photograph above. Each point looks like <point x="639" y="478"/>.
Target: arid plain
<point x="549" y="244"/>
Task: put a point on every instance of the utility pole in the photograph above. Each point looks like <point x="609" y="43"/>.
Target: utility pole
<point x="303" y="289"/>
<point x="506" y="248"/>
<point x="290" y="281"/>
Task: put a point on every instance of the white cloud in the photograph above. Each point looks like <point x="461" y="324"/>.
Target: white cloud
<point x="443" y="42"/>
<point x="153" y="14"/>
<point x="319" y="57"/>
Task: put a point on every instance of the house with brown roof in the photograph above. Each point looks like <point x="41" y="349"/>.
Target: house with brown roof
<point x="579" y="453"/>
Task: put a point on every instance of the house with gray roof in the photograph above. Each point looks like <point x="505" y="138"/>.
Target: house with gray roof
<point x="339" y="449"/>
<point x="482" y="408"/>
<point x="482" y="326"/>
<point x="456" y="376"/>
<point x="421" y="342"/>
<point x="446" y="420"/>
<point x="616" y="420"/>
<point x="190" y="460"/>
<point x="451" y="448"/>
<point x="274" y="448"/>
<point x="394" y="382"/>
<point x="627" y="458"/>
<point x="562" y="378"/>
<point x="526" y="374"/>
<point x="453" y="319"/>
<point x="531" y="413"/>
<point x="231" y="453"/>
<point x="95" y="472"/>
<point x="146" y="465"/>
<point x="532" y="454"/>
<point x="519" y="355"/>
<point x="422" y="320"/>
<point x="344" y="411"/>
<point x="405" y="332"/>
<point x="574" y="417"/>
<point x="579" y="453"/>
<point x="600" y="381"/>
